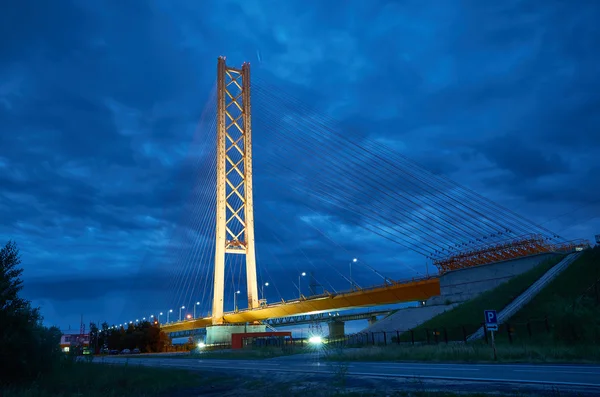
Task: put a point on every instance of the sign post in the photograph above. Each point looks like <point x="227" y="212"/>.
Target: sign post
<point x="491" y="324"/>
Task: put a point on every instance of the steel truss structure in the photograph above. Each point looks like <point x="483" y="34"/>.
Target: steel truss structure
<point x="323" y="317"/>
<point x="527" y="245"/>
<point x="235" y="213"/>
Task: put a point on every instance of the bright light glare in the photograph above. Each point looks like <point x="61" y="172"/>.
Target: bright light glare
<point x="315" y="340"/>
<point x="201" y="345"/>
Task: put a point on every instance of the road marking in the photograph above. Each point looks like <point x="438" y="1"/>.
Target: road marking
<point x="411" y="376"/>
<point x="557" y="372"/>
<point x="445" y="369"/>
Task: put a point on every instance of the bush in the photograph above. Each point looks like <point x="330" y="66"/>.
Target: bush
<point x="27" y="348"/>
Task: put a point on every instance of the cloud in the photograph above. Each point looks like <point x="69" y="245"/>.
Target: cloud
<point x="107" y="132"/>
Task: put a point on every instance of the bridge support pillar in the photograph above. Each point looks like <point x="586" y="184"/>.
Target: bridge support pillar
<point x="337" y="329"/>
<point x="221" y="334"/>
<point x="372" y="320"/>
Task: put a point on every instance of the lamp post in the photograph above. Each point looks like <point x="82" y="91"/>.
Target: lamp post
<point x="180" y="309"/>
<point x="235" y="301"/>
<point x="300" y="289"/>
<point x="160" y="314"/>
<point x="197" y="303"/>
<point x="263" y="289"/>
<point x="170" y="311"/>
<point x="352" y="282"/>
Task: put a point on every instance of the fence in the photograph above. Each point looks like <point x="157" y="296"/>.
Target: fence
<point x="512" y="332"/>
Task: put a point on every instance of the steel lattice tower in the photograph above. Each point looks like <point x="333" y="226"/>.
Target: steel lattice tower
<point x="235" y="212"/>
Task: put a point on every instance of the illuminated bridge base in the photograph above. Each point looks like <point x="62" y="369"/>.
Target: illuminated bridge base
<point x="221" y="334"/>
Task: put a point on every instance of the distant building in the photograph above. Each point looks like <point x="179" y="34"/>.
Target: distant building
<point x="70" y="339"/>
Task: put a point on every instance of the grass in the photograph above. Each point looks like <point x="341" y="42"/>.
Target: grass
<point x="84" y="379"/>
<point x="568" y="286"/>
<point x="471" y="353"/>
<point x="101" y="380"/>
<point x="241" y="354"/>
<point x="470" y="314"/>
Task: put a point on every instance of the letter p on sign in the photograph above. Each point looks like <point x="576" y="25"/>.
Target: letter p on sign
<point x="490" y="317"/>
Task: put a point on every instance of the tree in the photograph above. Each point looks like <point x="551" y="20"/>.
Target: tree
<point x="94" y="335"/>
<point x="145" y="336"/>
<point x="27" y="348"/>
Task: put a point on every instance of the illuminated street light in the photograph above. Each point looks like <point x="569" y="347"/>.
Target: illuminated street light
<point x="180" y="309"/>
<point x="159" y="314"/>
<point x="235" y="301"/>
<point x="351" y="282"/>
<point x="197" y="303"/>
<point x="263" y="289"/>
<point x="300" y="289"/>
<point x="170" y="311"/>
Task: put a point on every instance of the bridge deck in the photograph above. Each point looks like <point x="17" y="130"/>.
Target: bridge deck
<point x="380" y="295"/>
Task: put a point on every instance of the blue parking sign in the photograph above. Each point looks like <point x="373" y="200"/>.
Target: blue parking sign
<point x="491" y="320"/>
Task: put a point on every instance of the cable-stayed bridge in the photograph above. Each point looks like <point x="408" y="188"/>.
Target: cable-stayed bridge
<point x="339" y="178"/>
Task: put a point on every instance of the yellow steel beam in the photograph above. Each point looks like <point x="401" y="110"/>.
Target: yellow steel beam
<point x="380" y="295"/>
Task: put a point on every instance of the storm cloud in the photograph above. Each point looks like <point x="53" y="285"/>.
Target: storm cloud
<point x="106" y="134"/>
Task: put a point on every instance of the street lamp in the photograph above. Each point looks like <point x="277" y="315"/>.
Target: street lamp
<point x="144" y="318"/>
<point x="235" y="301"/>
<point x="299" y="289"/>
<point x="351" y="282"/>
<point x="263" y="289"/>
<point x="180" y="309"/>
<point x="170" y="311"/>
<point x="197" y="303"/>
<point x="160" y="314"/>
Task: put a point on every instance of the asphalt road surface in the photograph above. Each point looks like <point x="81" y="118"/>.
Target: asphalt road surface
<point x="574" y="377"/>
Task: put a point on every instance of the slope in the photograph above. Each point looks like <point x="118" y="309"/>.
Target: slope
<point x="571" y="302"/>
<point x="467" y="317"/>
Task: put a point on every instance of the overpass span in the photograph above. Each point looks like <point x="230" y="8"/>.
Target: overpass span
<point x="390" y="293"/>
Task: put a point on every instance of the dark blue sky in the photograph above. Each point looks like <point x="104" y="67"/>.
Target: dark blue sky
<point x="100" y="130"/>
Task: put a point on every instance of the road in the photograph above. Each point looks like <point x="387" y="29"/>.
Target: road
<point x="564" y="377"/>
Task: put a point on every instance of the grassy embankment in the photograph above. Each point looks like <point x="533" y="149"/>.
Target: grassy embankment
<point x="573" y="293"/>
<point x="573" y="334"/>
<point x="470" y="314"/>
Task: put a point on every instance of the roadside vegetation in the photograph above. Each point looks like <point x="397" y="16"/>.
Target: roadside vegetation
<point x="470" y="313"/>
<point x="27" y="347"/>
<point x="478" y="352"/>
<point x="571" y="302"/>
<point x="34" y="365"/>
<point x="71" y="378"/>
